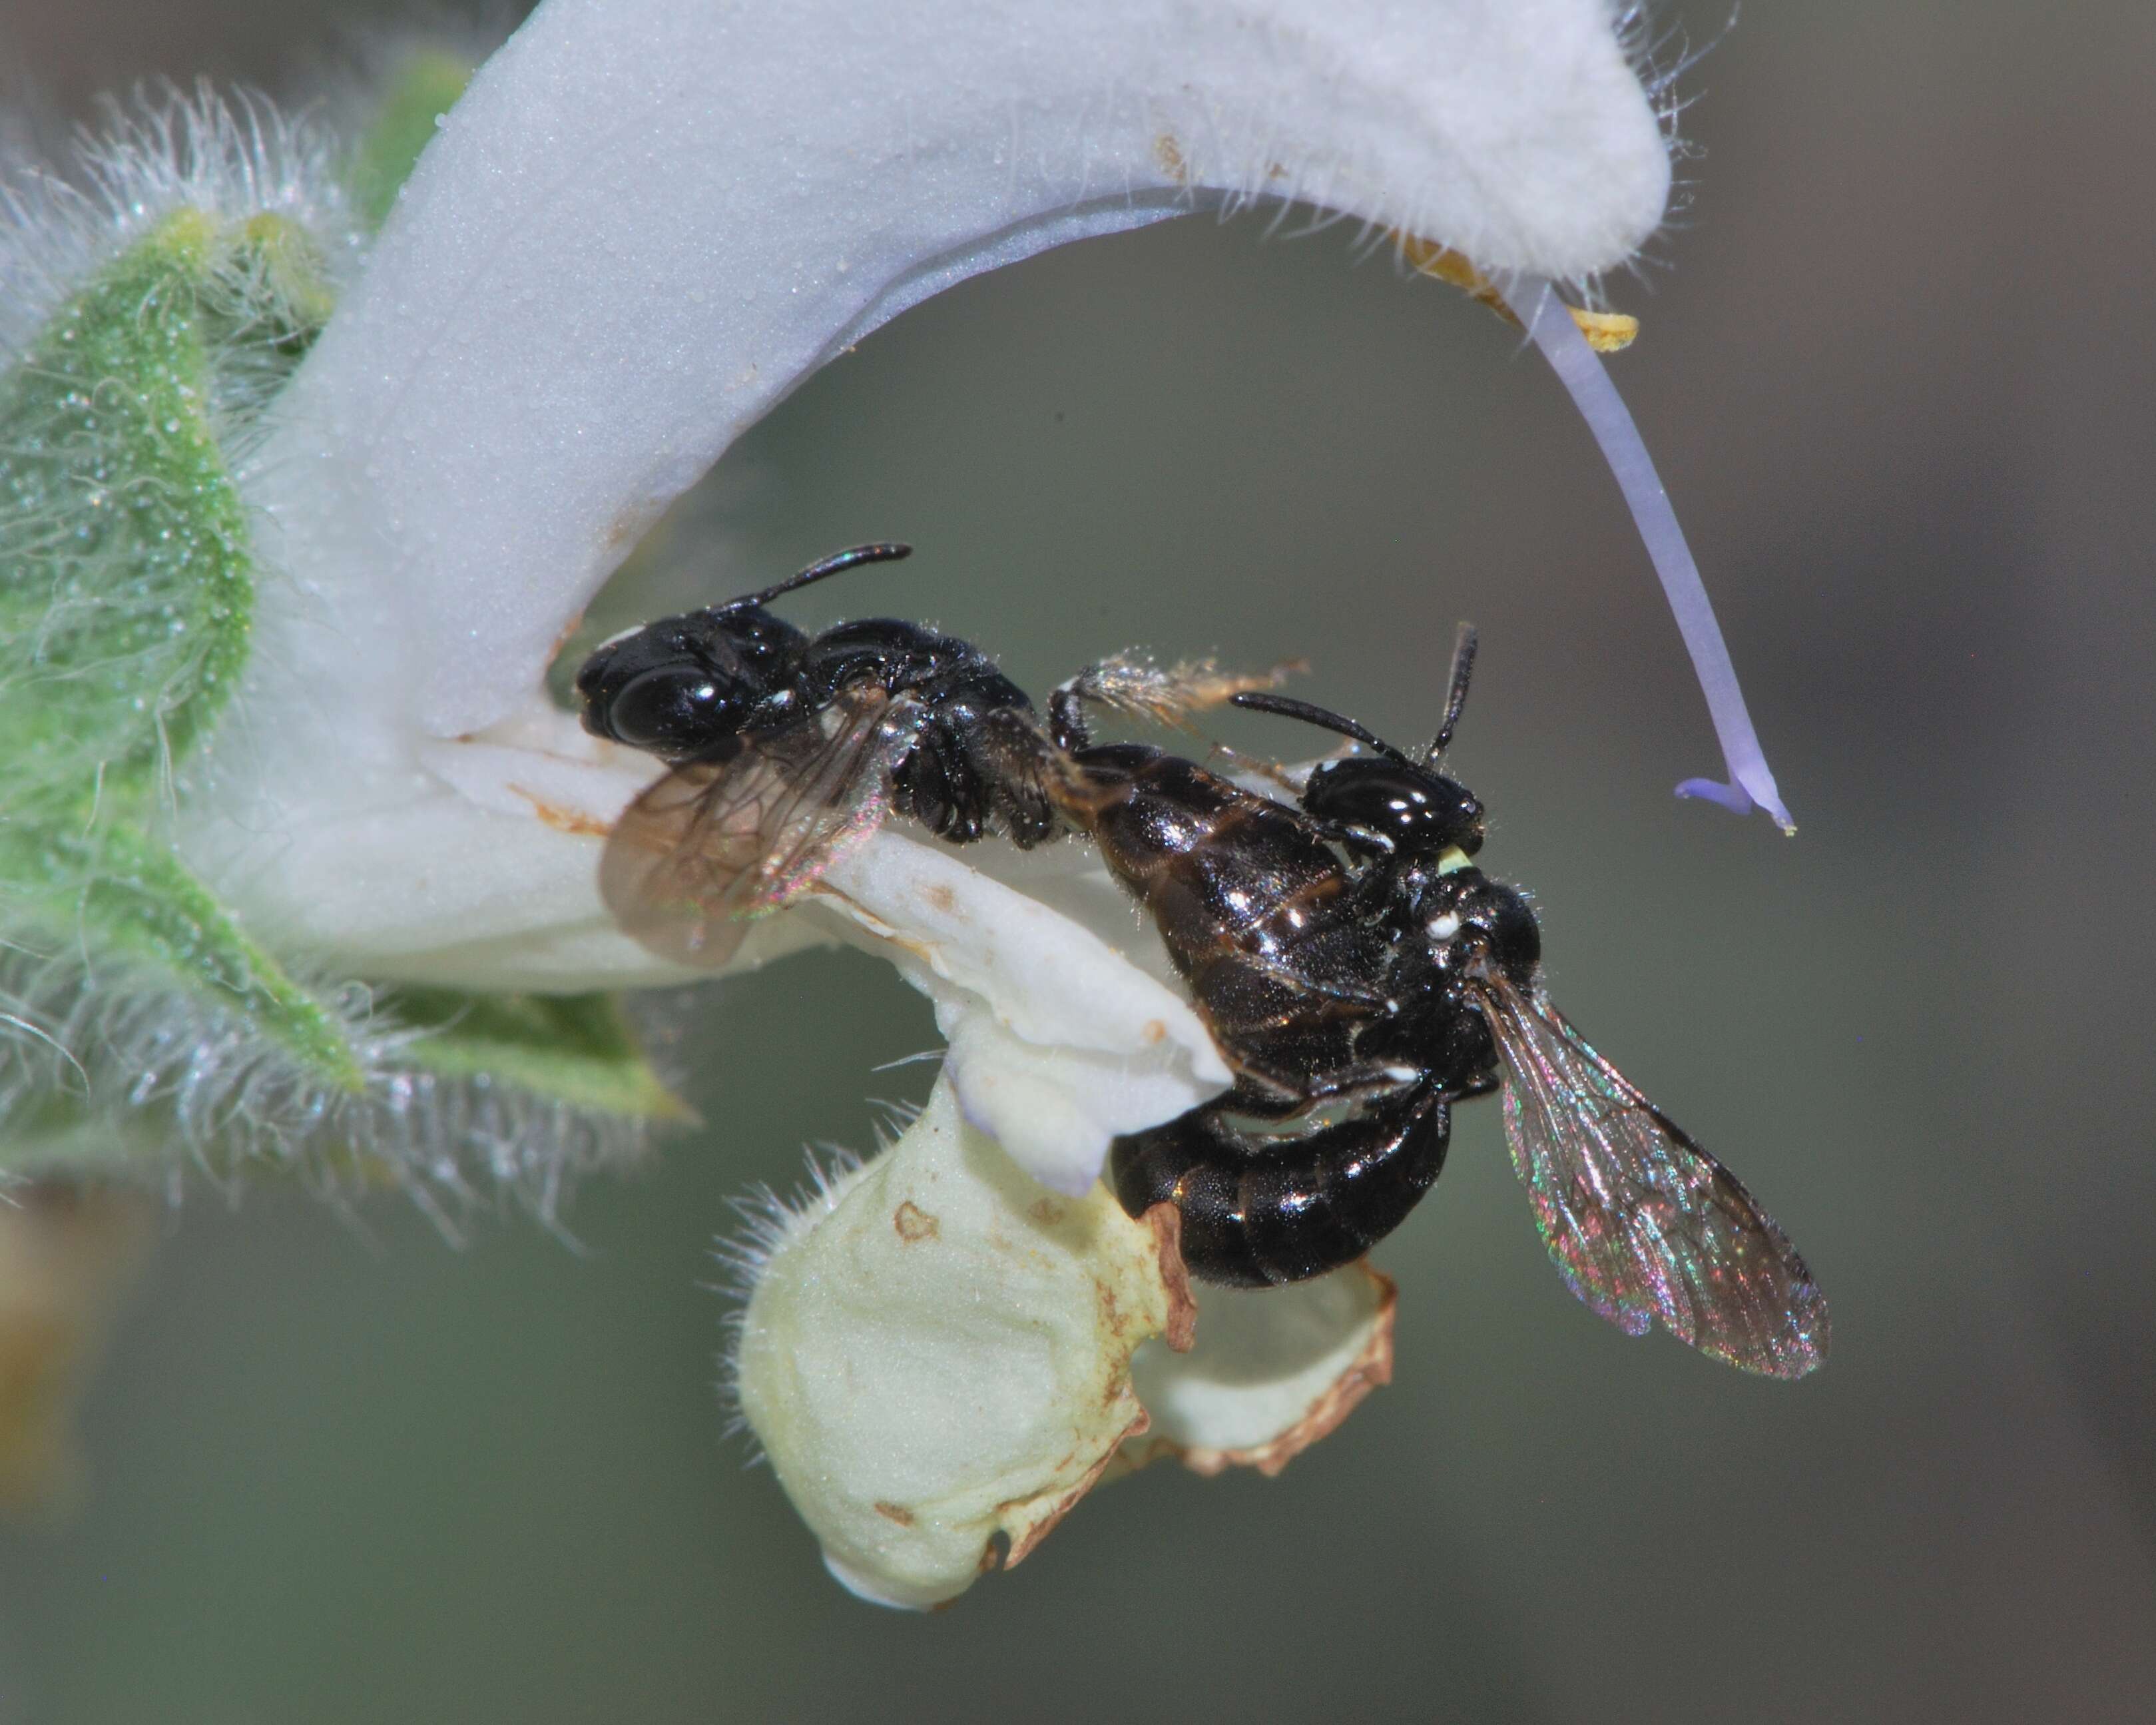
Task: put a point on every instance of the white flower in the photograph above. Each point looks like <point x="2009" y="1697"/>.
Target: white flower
<point x="644" y="224"/>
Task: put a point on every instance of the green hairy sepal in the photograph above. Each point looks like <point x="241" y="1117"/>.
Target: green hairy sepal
<point x="141" y="1025"/>
<point x="124" y="612"/>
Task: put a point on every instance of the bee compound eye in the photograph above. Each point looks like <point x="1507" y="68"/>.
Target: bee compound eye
<point x="675" y="710"/>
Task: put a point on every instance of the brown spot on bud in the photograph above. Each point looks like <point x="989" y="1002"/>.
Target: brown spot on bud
<point x="914" y="1224"/>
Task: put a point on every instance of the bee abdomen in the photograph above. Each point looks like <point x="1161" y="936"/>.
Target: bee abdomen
<point x="1258" y="1211"/>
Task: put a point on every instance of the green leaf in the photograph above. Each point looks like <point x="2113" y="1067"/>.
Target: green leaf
<point x="126" y="581"/>
<point x="126" y="598"/>
<point x="127" y="903"/>
<point x="139" y="1021"/>
<point x="574" y="1048"/>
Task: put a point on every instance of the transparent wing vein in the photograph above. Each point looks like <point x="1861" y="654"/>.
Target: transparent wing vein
<point x="716" y="842"/>
<point x="1641" y="1221"/>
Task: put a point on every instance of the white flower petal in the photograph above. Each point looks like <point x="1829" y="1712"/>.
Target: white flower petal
<point x="937" y="1355"/>
<point x="649" y="218"/>
<point x="1057" y="1043"/>
<point x="474" y="864"/>
<point x="1273" y="1371"/>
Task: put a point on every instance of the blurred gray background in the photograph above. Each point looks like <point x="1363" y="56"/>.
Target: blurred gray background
<point x="1897" y="370"/>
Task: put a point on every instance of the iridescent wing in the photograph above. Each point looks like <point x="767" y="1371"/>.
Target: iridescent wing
<point x="716" y="842"/>
<point x="1642" y="1223"/>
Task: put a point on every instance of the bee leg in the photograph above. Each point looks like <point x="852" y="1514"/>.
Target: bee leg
<point x="1133" y="685"/>
<point x="1260" y="1211"/>
<point x="1066" y="715"/>
<point x="969" y="776"/>
<point x="1129" y="685"/>
<point x="1010" y="759"/>
<point x="932" y="788"/>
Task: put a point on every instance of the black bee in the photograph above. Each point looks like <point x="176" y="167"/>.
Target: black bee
<point x="1362" y="974"/>
<point x="786" y="748"/>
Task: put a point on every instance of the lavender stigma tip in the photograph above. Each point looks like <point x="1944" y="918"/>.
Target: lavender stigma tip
<point x="1550" y="326"/>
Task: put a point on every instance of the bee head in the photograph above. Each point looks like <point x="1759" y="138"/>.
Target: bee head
<point x="683" y="685"/>
<point x="1408" y="808"/>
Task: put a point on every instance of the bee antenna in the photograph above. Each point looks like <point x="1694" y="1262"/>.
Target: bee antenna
<point x="1463" y="668"/>
<point x="836" y="563"/>
<point x="1289" y="708"/>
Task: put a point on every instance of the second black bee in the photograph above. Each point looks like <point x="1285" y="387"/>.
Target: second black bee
<point x="785" y="747"/>
<point x="1362" y="976"/>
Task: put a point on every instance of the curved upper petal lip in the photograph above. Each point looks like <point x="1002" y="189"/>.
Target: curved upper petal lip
<point x="648" y="219"/>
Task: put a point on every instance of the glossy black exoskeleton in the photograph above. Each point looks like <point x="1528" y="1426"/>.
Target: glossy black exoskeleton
<point x="786" y="745"/>
<point x="693" y="687"/>
<point x="1294" y="929"/>
<point x="1362" y="974"/>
